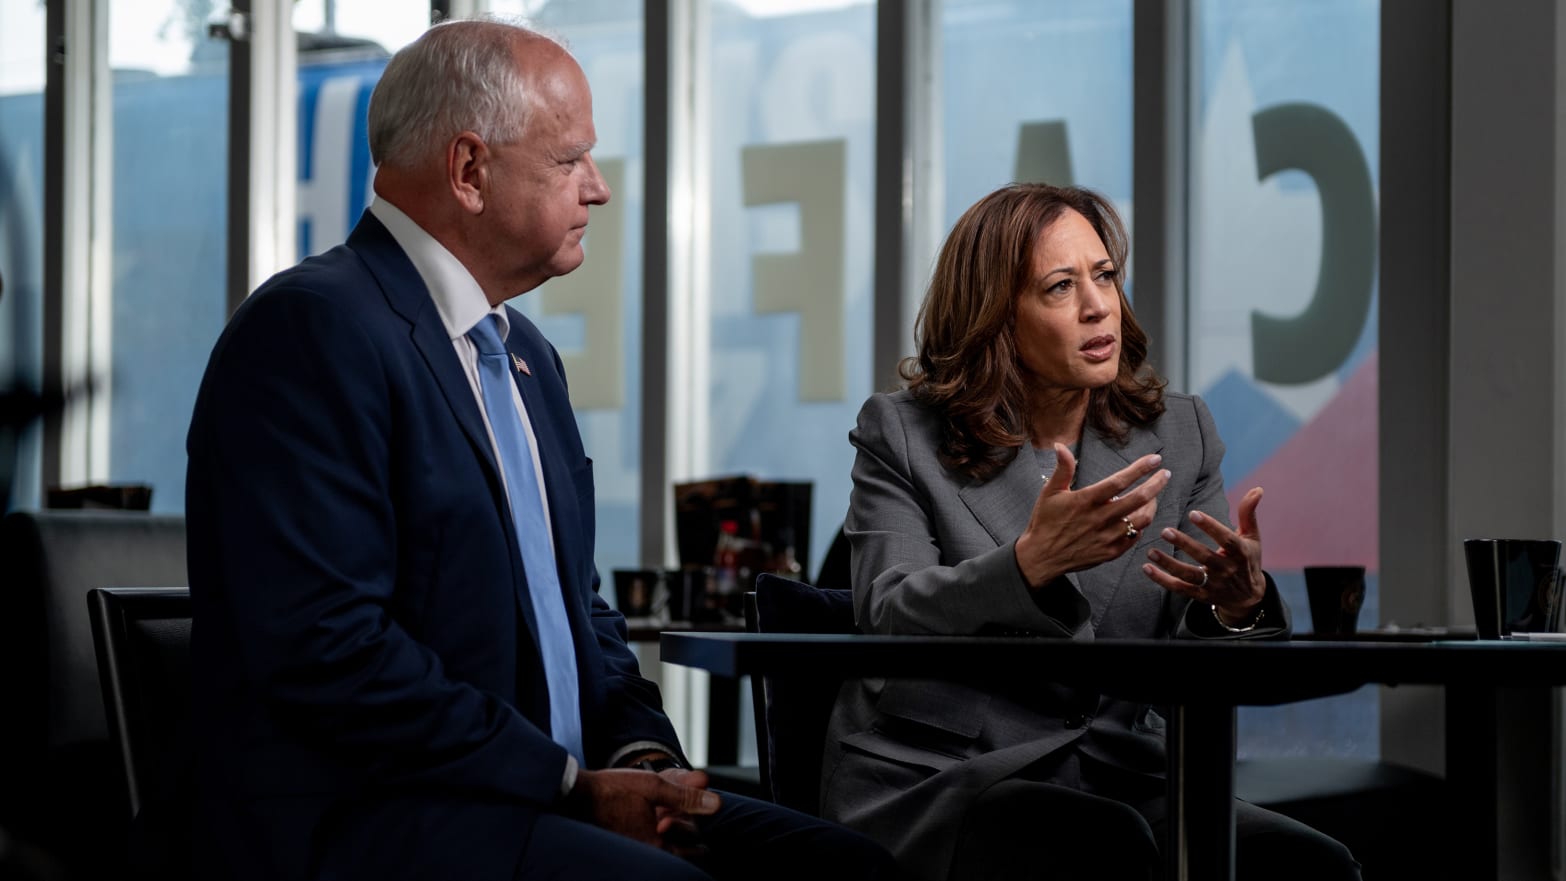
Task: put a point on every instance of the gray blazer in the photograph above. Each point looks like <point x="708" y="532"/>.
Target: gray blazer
<point x="933" y="553"/>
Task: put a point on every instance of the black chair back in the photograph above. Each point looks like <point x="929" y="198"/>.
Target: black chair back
<point x="60" y="785"/>
<point x="142" y="635"/>
<point x="792" y="709"/>
<point x="837" y="571"/>
<point x="143" y="644"/>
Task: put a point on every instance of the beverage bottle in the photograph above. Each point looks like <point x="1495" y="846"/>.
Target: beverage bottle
<point x="787" y="564"/>
<point x="725" y="564"/>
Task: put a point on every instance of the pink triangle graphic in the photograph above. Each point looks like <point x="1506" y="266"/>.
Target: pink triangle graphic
<point x="1323" y="493"/>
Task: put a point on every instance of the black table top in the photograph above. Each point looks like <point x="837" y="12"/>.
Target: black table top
<point x="1233" y="672"/>
<point x="648" y="629"/>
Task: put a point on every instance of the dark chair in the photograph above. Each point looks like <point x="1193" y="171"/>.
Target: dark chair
<point x="792" y="709"/>
<point x="61" y="789"/>
<point x="142" y="635"/>
<point x="1383" y="812"/>
<point x="837" y="572"/>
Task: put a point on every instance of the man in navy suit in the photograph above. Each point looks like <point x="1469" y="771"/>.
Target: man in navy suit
<point x="402" y="665"/>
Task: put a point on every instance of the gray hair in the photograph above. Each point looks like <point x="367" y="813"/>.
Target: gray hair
<point x="458" y="76"/>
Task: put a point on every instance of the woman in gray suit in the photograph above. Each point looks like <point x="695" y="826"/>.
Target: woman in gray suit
<point x="1035" y="478"/>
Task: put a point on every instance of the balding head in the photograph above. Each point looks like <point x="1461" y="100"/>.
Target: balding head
<point x="459" y="76"/>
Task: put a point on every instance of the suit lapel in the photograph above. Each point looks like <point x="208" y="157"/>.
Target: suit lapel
<point x="1003" y="504"/>
<point x="1100" y="457"/>
<point x="408" y="297"/>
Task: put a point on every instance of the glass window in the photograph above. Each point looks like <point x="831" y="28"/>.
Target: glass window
<point x="170" y="167"/>
<point x="1283" y="313"/>
<point x="169" y="173"/>
<point x="333" y="25"/>
<point x="594" y="315"/>
<point x="21" y="232"/>
<point x="792" y="131"/>
<point x="1035" y="92"/>
<point x="343" y="47"/>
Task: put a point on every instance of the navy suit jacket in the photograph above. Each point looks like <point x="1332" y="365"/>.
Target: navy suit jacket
<point x="363" y="635"/>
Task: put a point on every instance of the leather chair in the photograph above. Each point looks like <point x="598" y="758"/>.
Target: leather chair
<point x="837" y="571"/>
<point x="792" y="709"/>
<point x="1385" y="813"/>
<point x="61" y="789"/>
<point x="142" y="636"/>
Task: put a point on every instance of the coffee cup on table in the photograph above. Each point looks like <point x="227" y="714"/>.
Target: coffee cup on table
<point x="688" y="592"/>
<point x="1336" y="595"/>
<point x="1515" y="585"/>
<point x="637" y="591"/>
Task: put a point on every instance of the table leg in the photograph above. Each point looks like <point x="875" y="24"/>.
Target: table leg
<point x="723" y="702"/>
<point x="1470" y="778"/>
<point x="1498" y="755"/>
<point x="1200" y="845"/>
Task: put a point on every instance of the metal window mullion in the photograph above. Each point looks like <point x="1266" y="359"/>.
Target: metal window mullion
<point x="656" y="373"/>
<point x="926" y="137"/>
<point x="894" y="188"/>
<point x="676" y="315"/>
<point x="688" y="226"/>
<point x="99" y="330"/>
<point x="274" y="170"/>
<point x="1161" y="100"/>
<point x="262" y="146"/>
<point x="77" y="239"/>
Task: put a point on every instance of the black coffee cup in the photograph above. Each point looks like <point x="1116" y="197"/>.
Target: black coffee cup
<point x="1515" y="585"/>
<point x="637" y="591"/>
<point x="688" y="588"/>
<point x="1336" y="594"/>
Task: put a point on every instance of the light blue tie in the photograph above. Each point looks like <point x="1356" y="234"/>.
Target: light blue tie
<point x="538" y="552"/>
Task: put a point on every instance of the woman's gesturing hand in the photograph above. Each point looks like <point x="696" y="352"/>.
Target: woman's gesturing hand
<point x="1229" y="576"/>
<point x="1071" y="530"/>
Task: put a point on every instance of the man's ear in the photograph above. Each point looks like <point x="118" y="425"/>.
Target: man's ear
<point x="467" y="171"/>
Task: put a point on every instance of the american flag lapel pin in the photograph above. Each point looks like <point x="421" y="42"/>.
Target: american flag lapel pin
<point x="520" y="365"/>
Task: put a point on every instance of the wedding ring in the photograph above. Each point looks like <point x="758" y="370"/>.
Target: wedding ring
<point x="1203" y="582"/>
<point x="1130" y="529"/>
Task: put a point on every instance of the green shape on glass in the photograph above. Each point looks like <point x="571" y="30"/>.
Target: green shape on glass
<point x="1316" y="342"/>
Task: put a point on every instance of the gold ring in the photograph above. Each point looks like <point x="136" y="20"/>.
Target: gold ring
<point x="1130" y="529"/>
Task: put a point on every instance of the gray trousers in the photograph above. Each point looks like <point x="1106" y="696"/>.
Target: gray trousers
<point x="1073" y="818"/>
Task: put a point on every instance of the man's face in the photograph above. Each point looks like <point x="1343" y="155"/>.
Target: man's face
<point x="539" y="188"/>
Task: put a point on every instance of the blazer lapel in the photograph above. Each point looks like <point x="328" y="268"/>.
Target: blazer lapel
<point x="1100" y="457"/>
<point x="409" y="298"/>
<point x="1003" y="504"/>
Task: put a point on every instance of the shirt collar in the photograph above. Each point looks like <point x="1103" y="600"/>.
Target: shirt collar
<point x="458" y="297"/>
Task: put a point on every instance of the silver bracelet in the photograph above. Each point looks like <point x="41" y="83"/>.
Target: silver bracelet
<point x="1260" y="613"/>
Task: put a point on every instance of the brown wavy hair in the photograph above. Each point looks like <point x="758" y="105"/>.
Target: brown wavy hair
<point x="968" y="369"/>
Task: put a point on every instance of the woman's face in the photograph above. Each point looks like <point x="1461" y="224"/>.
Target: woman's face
<point x="1068" y="314"/>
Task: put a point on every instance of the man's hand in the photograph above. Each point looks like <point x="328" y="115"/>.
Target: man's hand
<point x="678" y="828"/>
<point x="651" y="808"/>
